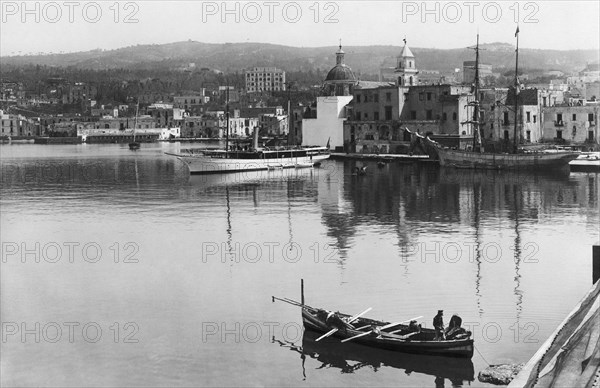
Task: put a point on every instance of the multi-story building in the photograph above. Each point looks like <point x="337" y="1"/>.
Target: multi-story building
<point x="260" y="79"/>
<point x="193" y="103"/>
<point x="571" y="124"/>
<point x="17" y="125"/>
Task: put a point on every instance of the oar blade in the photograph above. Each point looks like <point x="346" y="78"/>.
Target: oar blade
<point x="354" y="318"/>
<point x="330" y="332"/>
<point x="356" y="336"/>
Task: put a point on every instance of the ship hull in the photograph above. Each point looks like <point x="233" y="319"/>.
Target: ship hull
<point x="475" y="160"/>
<point x="209" y="165"/>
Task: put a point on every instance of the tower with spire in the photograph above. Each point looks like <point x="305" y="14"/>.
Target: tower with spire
<point x="406" y="68"/>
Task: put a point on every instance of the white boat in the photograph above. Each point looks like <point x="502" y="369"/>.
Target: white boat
<point x="221" y="161"/>
<point x="252" y="158"/>
<point x="589" y="161"/>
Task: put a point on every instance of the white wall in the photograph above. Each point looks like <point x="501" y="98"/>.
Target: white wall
<point x="329" y="124"/>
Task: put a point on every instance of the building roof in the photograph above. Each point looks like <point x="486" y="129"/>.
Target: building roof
<point x="406" y="52"/>
<point x="340" y="73"/>
<point x="525" y="97"/>
<point x="373" y="84"/>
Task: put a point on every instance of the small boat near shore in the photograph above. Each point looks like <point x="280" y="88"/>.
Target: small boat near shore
<point x="589" y="161"/>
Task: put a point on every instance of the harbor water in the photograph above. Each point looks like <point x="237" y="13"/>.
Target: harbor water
<point x="119" y="269"/>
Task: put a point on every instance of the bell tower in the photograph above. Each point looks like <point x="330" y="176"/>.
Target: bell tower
<point x="406" y="68"/>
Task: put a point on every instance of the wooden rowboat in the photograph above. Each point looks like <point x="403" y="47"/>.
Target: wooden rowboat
<point x="397" y="338"/>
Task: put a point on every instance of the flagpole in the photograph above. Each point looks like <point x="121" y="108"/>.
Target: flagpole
<point x="515" y="146"/>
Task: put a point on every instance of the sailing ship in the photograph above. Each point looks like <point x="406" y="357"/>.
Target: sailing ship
<point x="477" y="158"/>
<point x="135" y="145"/>
<point x="250" y="158"/>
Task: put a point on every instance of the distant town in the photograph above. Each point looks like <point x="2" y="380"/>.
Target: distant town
<point x="350" y="112"/>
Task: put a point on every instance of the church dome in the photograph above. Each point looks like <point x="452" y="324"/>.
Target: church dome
<point x="340" y="73"/>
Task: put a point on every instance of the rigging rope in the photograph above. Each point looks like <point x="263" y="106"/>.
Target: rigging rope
<point x="475" y="347"/>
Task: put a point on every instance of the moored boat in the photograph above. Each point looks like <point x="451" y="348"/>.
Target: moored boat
<point x="589" y="161"/>
<point x="483" y="160"/>
<point x="221" y="161"/>
<point x="477" y="158"/>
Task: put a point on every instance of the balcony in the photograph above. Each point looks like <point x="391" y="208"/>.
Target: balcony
<point x="558" y="123"/>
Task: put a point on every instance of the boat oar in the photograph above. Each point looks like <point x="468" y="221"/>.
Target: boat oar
<point x="381" y="328"/>
<point x="352" y="319"/>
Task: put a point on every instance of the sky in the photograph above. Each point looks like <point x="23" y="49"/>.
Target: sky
<point x="69" y="25"/>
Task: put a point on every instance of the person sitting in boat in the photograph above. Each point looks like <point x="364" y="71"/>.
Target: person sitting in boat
<point x="438" y="325"/>
<point x="453" y="325"/>
<point x="413" y="327"/>
<point x="333" y="320"/>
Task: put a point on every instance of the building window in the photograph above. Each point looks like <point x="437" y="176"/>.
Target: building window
<point x="376" y="98"/>
<point x="428" y="96"/>
<point x="574" y="117"/>
<point x="529" y="136"/>
<point x="388" y="96"/>
<point x="528" y="114"/>
<point x="375" y="115"/>
<point x="444" y="116"/>
<point x="388" y="112"/>
<point x="559" y="117"/>
<point x="591" y="117"/>
<point x="358" y="98"/>
<point x="559" y="134"/>
<point x="366" y="116"/>
<point x="413" y="114"/>
<point x="506" y="122"/>
<point x="429" y="114"/>
<point x="506" y="135"/>
<point x="454" y="116"/>
<point x="535" y="118"/>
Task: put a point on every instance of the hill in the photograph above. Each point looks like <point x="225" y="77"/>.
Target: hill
<point x="365" y="60"/>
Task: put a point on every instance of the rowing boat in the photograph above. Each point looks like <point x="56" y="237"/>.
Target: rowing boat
<point x="397" y="338"/>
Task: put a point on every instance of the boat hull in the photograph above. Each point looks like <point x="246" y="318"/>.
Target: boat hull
<point x="453" y="348"/>
<point x="474" y="160"/>
<point x="198" y="164"/>
<point x="586" y="162"/>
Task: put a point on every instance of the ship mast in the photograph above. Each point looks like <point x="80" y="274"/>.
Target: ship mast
<point x="515" y="147"/>
<point x="476" y="134"/>
<point x="227" y="117"/>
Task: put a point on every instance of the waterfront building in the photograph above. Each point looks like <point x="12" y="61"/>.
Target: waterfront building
<point x="17" y="125"/>
<point x="381" y="110"/>
<point x="571" y="124"/>
<point x="259" y="79"/>
<point x="324" y="123"/>
<point x="165" y="115"/>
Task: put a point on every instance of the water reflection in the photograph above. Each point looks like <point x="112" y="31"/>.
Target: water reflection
<point x="350" y="357"/>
